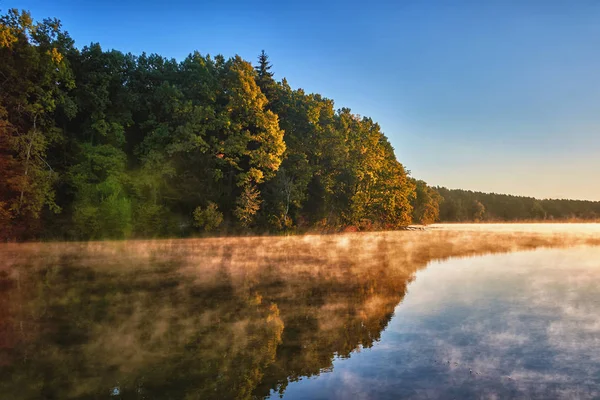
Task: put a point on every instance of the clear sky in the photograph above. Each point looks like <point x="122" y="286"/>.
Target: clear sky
<point x="499" y="96"/>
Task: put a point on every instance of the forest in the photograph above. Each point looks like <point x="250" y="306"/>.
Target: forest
<point x="468" y="206"/>
<point x="98" y="144"/>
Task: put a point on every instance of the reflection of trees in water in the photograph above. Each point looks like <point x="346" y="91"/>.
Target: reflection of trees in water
<point x="147" y="333"/>
<point x="334" y="314"/>
<point x="216" y="318"/>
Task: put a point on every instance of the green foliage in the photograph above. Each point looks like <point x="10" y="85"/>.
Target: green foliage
<point x="537" y="210"/>
<point x="150" y="187"/>
<point x="124" y="145"/>
<point x="265" y="81"/>
<point x="286" y="192"/>
<point x="36" y="79"/>
<point x="151" y="220"/>
<point x="466" y="205"/>
<point x="127" y="145"/>
<point x="426" y="204"/>
<point x="209" y="218"/>
<point x="101" y="207"/>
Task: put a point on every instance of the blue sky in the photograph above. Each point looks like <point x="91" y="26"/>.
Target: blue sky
<point x="499" y="96"/>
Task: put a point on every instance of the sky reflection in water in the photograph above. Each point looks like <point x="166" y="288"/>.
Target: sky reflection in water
<point x="519" y="325"/>
<point x="376" y="315"/>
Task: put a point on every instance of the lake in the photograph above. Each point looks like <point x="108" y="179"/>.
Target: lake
<point x="453" y="312"/>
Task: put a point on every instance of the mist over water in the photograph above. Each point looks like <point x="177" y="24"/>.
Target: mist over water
<point x="580" y="229"/>
<point x="519" y="325"/>
<point x="361" y="315"/>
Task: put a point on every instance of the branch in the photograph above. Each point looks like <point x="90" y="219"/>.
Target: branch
<point x="44" y="161"/>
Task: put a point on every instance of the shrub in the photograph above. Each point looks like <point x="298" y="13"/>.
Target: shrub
<point x="209" y="218"/>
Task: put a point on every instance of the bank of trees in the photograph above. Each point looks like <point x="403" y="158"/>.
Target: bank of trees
<point x="469" y="206"/>
<point x="98" y="144"/>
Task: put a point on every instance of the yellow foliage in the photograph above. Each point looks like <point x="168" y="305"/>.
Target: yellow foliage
<point x="55" y="55"/>
<point x="7" y="39"/>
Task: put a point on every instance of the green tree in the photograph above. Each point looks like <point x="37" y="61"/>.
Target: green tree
<point x="426" y="203"/>
<point x="102" y="207"/>
<point x="208" y="218"/>
<point x="220" y="140"/>
<point x="511" y="208"/>
<point x="537" y="210"/>
<point x="264" y="79"/>
<point x="131" y="145"/>
<point x="151" y="191"/>
<point x="35" y="81"/>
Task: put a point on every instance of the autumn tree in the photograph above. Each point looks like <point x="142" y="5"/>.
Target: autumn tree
<point x="478" y="210"/>
<point x="35" y="80"/>
<point x="426" y="202"/>
<point x="129" y="145"/>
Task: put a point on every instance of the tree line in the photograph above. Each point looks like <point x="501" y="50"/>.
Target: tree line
<point x="99" y="144"/>
<point x="102" y="144"/>
<point x="468" y="206"/>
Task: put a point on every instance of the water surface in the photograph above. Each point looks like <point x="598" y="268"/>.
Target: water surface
<point x="521" y="325"/>
<point x="384" y="315"/>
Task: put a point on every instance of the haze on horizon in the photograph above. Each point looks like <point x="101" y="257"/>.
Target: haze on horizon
<point x="499" y="97"/>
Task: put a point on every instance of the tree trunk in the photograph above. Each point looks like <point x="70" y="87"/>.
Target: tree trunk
<point x="27" y="161"/>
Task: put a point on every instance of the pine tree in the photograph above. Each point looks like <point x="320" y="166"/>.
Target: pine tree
<point x="264" y="79"/>
<point x="263" y="69"/>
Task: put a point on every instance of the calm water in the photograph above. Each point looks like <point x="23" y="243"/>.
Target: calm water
<point x="522" y="325"/>
<point x="390" y="315"/>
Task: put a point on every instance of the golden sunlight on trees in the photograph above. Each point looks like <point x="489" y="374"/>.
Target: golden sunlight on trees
<point x="101" y="144"/>
<point x="97" y="144"/>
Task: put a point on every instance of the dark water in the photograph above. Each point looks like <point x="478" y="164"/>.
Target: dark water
<point x="317" y="317"/>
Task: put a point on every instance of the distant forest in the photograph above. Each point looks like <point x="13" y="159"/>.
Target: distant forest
<point x="468" y="206"/>
<point x="100" y="144"/>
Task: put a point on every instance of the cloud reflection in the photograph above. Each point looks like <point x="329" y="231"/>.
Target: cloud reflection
<point x="520" y="325"/>
<point x="252" y="316"/>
